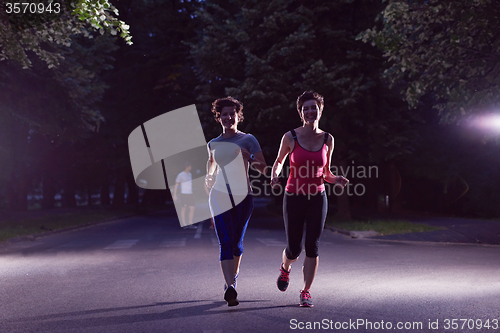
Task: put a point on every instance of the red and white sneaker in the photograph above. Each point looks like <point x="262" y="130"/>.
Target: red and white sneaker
<point x="305" y="299"/>
<point x="283" y="279"/>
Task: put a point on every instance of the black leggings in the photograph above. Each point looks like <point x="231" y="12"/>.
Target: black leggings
<point x="299" y="209"/>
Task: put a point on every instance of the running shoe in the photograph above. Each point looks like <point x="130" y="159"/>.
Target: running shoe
<point x="230" y="296"/>
<point x="305" y="299"/>
<point x="283" y="279"/>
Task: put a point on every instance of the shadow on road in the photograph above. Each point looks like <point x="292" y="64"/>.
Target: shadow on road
<point x="195" y="308"/>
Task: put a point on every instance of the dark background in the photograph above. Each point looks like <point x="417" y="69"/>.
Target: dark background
<point x="263" y="53"/>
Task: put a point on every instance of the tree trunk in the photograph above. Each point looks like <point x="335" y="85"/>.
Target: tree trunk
<point x="395" y="187"/>
<point x="17" y="191"/>
<point x="133" y="192"/>
<point x="105" y="200"/>
<point x="68" y="197"/>
<point x="119" y="193"/>
<point x="48" y="193"/>
<point x="18" y="183"/>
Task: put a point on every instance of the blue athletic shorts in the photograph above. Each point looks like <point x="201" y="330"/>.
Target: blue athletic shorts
<point x="231" y="225"/>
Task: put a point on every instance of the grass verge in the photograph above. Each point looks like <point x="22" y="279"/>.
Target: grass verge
<point x="56" y="221"/>
<point x="383" y="227"/>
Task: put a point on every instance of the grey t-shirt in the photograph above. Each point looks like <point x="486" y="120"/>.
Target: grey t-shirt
<point x="244" y="140"/>
<point x="224" y="152"/>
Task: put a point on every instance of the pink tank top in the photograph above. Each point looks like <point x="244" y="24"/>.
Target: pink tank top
<point x="306" y="169"/>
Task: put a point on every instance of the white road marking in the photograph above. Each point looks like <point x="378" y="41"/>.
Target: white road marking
<point x="271" y="242"/>
<point x="122" y="244"/>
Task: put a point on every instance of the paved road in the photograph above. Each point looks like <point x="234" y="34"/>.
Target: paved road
<point x="145" y="274"/>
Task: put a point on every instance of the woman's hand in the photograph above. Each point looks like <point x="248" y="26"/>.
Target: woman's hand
<point x="340" y="180"/>
<point x="275" y="182"/>
<point x="209" y="181"/>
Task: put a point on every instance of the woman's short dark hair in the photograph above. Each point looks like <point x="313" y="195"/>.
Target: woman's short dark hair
<point x="310" y="95"/>
<point x="220" y="103"/>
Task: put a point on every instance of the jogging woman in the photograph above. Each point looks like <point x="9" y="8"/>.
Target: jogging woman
<point x="305" y="201"/>
<point x="231" y="200"/>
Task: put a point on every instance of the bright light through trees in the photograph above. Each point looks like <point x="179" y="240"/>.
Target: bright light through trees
<point x="487" y="123"/>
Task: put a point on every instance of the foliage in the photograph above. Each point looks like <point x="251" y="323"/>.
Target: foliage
<point x="96" y="12"/>
<point x="56" y="23"/>
<point x="41" y="108"/>
<point x="150" y="78"/>
<point x="448" y="49"/>
<point x="60" y="102"/>
<point x="153" y="76"/>
<point x="268" y="53"/>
